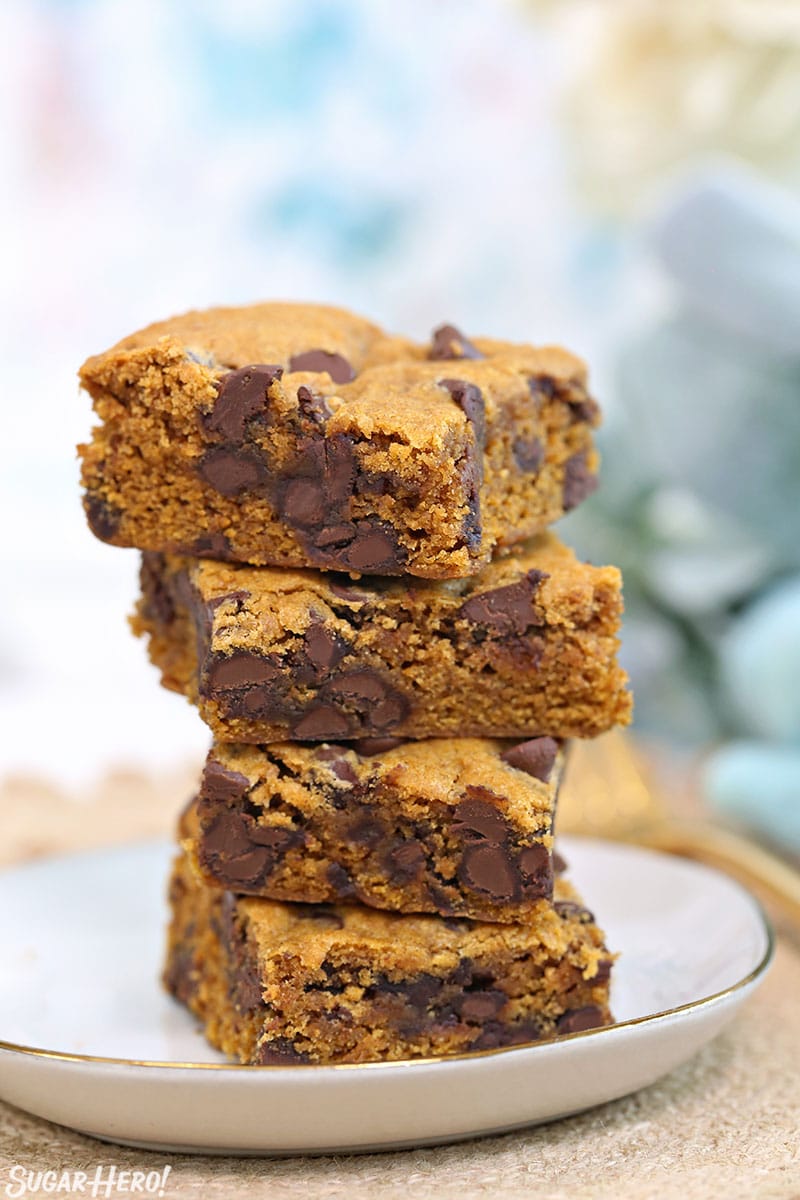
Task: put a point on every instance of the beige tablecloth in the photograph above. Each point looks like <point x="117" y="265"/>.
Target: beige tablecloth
<point x="726" y="1125"/>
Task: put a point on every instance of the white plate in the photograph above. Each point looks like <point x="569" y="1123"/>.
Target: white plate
<point x="92" y="1042"/>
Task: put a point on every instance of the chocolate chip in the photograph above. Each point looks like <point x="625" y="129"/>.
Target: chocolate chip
<point x="360" y="686"/>
<point x="535" y="866"/>
<point x="242" y="395"/>
<point x="528" y="454"/>
<point x="469" y="398"/>
<point x="336" y="365"/>
<point x="603" y="971"/>
<point x="559" y="863"/>
<point x="321" y="724"/>
<point x="486" y="868"/>
<point x="366" y="747"/>
<point x="406" y="861"/>
<point x="535" y="757"/>
<point x="303" y="503"/>
<point x="578" y="1019"/>
<point x="481" y="1006"/>
<point x="332" y="757"/>
<point x="279" y="1052"/>
<point x="212" y="545"/>
<point x="376" y="703"/>
<point x="220" y="785"/>
<point x="496" y="1033"/>
<point x="448" y="342"/>
<point x="103" y="518"/>
<point x="542" y="385"/>
<point x="579" y="482"/>
<point x="366" y="831"/>
<point x="339" y="469"/>
<point x="235" y="598"/>
<point x="583" y="407"/>
<point x="238" y="670"/>
<point x="323" y="647"/>
<point x="374" y="547"/>
<point x="480" y="817"/>
<point x="230" y="855"/>
<point x="340" y="881"/>
<point x="312" y="406"/>
<point x="507" y="610"/>
<point x="231" y="471"/>
<point x="569" y="910"/>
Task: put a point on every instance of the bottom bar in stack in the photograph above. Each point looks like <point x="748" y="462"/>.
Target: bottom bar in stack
<point x="283" y="983"/>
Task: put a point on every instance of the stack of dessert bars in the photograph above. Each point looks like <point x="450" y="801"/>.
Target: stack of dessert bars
<point x="346" y="569"/>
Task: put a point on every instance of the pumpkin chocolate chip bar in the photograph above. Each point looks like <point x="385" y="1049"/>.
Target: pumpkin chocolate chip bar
<point x="303" y="436"/>
<point x="459" y="826"/>
<point x="293" y="984"/>
<point x="526" y="647"/>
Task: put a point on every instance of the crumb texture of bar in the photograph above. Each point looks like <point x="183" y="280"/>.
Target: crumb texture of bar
<point x="276" y="983"/>
<point x="460" y="826"/>
<point x="303" y="436"/>
<point x="526" y="647"/>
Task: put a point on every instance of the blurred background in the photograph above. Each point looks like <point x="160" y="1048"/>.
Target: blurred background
<point x="622" y="178"/>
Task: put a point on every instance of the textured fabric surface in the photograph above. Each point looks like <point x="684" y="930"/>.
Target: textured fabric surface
<point x="725" y="1124"/>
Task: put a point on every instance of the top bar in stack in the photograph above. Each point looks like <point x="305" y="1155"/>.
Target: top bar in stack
<point x="299" y="435"/>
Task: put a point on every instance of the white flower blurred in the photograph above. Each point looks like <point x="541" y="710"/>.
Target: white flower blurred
<point x="655" y="85"/>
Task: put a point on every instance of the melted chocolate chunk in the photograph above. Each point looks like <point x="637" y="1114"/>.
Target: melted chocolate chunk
<point x="279" y="1052"/>
<point x="366" y="747"/>
<point x="406" y="861"/>
<point x="578" y="1019"/>
<point x="212" y="545"/>
<point x="448" y="342"/>
<point x="220" y="785"/>
<point x="535" y="757"/>
<point x="341" y="882"/>
<point x="528" y="454"/>
<point x="603" y="971"/>
<point x="542" y="385"/>
<point x="536" y="867"/>
<point x="568" y="908"/>
<point x="579" y="482"/>
<point x="333" y="757"/>
<point x="487" y="868"/>
<point x="303" y="503"/>
<point x="363" y="700"/>
<point x="481" y="1006"/>
<point x="321" y="723"/>
<point x="336" y="365"/>
<point x="231" y="471"/>
<point x="470" y="400"/>
<point x="496" y="1033"/>
<point x="103" y="518"/>
<point x="323" y="647"/>
<point x="238" y="670"/>
<point x="235" y="598"/>
<point x="243" y="394"/>
<point x="312" y="406"/>
<point x="479" y="817"/>
<point x="508" y="610"/>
